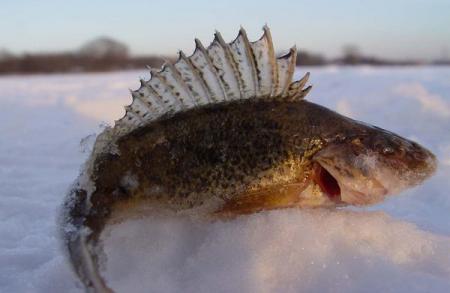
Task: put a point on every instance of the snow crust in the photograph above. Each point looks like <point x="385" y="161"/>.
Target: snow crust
<point x="401" y="245"/>
<point x="278" y="251"/>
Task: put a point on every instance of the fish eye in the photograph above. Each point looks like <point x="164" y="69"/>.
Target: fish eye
<point x="388" y="150"/>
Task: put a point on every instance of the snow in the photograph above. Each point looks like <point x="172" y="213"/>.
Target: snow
<point x="48" y="125"/>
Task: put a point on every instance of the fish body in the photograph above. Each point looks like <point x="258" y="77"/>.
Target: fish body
<point x="266" y="149"/>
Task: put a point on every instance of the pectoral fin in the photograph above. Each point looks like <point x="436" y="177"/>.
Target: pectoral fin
<point x="277" y="197"/>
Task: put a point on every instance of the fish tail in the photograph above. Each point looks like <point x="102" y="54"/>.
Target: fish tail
<point x="79" y="241"/>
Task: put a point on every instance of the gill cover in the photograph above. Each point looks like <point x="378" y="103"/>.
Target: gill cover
<point x="374" y="163"/>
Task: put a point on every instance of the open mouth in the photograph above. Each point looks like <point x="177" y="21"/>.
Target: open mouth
<point x="327" y="183"/>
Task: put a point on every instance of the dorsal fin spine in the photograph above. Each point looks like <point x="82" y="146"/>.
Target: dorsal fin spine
<point x="202" y="49"/>
<point x="181" y="82"/>
<point x="196" y="75"/>
<point x="221" y="62"/>
<point x="304" y="79"/>
<point x="170" y="101"/>
<point x="241" y="59"/>
<point x="306" y="91"/>
<point x="265" y="64"/>
<point x="224" y="71"/>
<point x="136" y="96"/>
<point x="130" y="111"/>
<point x="211" y="94"/>
<point x="230" y="60"/>
<point x="251" y="57"/>
<point x="290" y="70"/>
<point x="151" y="102"/>
<point x="293" y="63"/>
<point x="155" y="97"/>
<point x="272" y="59"/>
<point x="173" y="86"/>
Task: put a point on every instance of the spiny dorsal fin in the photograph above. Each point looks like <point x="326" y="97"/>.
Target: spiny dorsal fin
<point x="221" y="72"/>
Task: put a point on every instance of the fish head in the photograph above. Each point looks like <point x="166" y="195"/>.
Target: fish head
<point x="369" y="164"/>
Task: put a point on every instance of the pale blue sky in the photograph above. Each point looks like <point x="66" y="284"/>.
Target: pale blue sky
<point x="393" y="29"/>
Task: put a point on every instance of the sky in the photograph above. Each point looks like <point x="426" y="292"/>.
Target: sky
<point x="397" y="29"/>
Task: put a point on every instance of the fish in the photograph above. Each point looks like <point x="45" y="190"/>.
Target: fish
<point x="227" y="132"/>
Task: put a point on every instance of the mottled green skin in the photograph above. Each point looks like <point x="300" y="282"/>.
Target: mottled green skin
<point x="220" y="150"/>
<point x="217" y="150"/>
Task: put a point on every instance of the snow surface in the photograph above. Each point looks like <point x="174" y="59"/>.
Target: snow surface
<point x="48" y="124"/>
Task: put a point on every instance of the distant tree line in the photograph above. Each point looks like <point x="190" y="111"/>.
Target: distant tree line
<point x="69" y="62"/>
<point x="352" y="56"/>
<point x="106" y="54"/>
<point x="102" y="54"/>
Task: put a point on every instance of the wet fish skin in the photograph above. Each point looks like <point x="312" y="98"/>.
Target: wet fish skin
<point x="221" y="152"/>
<point x="230" y="148"/>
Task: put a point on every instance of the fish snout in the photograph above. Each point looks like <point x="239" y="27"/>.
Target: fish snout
<point x="417" y="164"/>
<point x="404" y="159"/>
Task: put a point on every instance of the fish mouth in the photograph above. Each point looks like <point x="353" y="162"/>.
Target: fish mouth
<point x="344" y="192"/>
<point x="327" y="183"/>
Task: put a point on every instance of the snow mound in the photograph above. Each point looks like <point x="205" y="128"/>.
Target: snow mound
<point x="278" y="251"/>
<point x="403" y="247"/>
